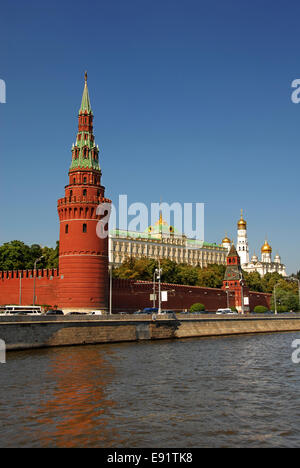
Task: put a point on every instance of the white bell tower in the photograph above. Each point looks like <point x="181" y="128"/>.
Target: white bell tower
<point x="242" y="241"/>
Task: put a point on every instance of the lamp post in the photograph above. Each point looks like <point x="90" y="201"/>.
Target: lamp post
<point x="34" y="277"/>
<point x="154" y="291"/>
<point x="110" y="289"/>
<point x="227" y="292"/>
<point x="159" y="272"/>
<point x="242" y="295"/>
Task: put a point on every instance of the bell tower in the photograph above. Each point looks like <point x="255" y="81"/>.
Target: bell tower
<point x="83" y="256"/>
<point x="242" y="241"/>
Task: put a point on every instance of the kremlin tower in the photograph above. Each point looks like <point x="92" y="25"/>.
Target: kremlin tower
<point x="234" y="281"/>
<point x="83" y="256"/>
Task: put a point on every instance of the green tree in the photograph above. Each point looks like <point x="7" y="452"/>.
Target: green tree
<point x="212" y="276"/>
<point x="253" y="281"/>
<point x="16" y="255"/>
<point x="51" y="256"/>
<point x="286" y="300"/>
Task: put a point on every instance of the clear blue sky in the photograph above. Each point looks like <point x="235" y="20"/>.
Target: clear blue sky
<point x="191" y="101"/>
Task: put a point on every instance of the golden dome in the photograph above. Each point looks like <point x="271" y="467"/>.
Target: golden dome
<point x="242" y="224"/>
<point x="266" y="248"/>
<point x="226" y="240"/>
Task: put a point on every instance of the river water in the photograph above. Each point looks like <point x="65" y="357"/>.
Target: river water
<point x="218" y="392"/>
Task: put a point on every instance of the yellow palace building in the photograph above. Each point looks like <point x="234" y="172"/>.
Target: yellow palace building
<point x="163" y="241"/>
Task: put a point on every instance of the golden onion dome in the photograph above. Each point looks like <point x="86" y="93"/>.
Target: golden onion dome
<point x="242" y="224"/>
<point x="266" y="248"/>
<point x="226" y="240"/>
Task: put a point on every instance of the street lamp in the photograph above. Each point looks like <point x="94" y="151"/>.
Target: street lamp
<point x="227" y="292"/>
<point x="34" y="277"/>
<point x="158" y="271"/>
<point x="242" y="293"/>
<point x="110" y="289"/>
<point x="154" y="291"/>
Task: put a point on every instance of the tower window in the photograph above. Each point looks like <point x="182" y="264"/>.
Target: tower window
<point x="84" y="228"/>
<point x="66" y="228"/>
<point x="84" y="180"/>
<point x="84" y="192"/>
<point x="74" y="180"/>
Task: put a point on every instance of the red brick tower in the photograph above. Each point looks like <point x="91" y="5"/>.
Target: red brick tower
<point x="234" y="281"/>
<point x="83" y="256"/>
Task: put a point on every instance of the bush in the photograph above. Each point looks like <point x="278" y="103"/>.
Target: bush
<point x="260" y="309"/>
<point x="233" y="309"/>
<point x="198" y="307"/>
<point x="282" y="309"/>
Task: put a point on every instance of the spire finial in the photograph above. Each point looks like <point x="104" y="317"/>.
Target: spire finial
<point x="85" y="76"/>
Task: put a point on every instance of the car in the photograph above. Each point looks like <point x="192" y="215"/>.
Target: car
<point x="27" y="312"/>
<point x="77" y="313"/>
<point x="96" y="312"/>
<point x="150" y="310"/>
<point x="226" y="312"/>
<point x="54" y="312"/>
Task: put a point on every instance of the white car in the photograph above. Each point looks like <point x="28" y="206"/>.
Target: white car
<point x="96" y="312"/>
<point x="225" y="312"/>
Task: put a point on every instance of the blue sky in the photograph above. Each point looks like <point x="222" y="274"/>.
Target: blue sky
<point x="192" y="103"/>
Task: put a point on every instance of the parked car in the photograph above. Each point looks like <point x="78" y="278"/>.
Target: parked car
<point x="54" y="312"/>
<point x="226" y="312"/>
<point x="96" y="312"/>
<point x="77" y="313"/>
<point x="150" y="310"/>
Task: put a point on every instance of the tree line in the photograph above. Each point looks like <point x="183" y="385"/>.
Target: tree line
<point x="16" y="255"/>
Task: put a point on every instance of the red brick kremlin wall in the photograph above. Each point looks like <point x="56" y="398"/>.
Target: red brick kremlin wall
<point x="12" y="282"/>
<point x="133" y="295"/>
<point x="127" y="295"/>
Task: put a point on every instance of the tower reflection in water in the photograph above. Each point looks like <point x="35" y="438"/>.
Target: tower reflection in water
<point x="78" y="409"/>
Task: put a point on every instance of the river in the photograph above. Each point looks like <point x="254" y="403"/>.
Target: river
<point x="237" y="391"/>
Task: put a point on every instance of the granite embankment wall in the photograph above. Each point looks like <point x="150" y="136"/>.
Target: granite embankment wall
<point x="39" y="332"/>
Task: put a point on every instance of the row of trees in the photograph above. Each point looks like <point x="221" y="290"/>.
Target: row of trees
<point x="212" y="276"/>
<point x="16" y="255"/>
<point x="143" y="269"/>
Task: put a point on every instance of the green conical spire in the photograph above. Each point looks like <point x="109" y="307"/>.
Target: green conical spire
<point x="85" y="103"/>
